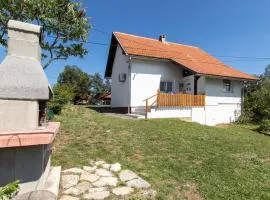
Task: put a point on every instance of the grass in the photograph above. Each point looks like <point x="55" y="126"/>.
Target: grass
<point x="180" y="159"/>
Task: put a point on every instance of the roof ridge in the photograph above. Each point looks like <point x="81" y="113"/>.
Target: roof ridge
<point x="136" y="36"/>
<point x="184" y="45"/>
<point x="167" y="42"/>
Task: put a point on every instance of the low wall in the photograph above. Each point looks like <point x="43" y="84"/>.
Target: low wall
<point x="208" y="115"/>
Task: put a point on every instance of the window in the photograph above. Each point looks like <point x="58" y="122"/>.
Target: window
<point x="166" y="86"/>
<point x="227" y="86"/>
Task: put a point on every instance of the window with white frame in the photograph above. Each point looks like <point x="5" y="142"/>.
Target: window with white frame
<point x="227" y="85"/>
<point x="166" y="86"/>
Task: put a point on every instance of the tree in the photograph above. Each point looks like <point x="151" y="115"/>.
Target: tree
<point x="78" y="80"/>
<point x="64" y="24"/>
<point x="267" y="73"/>
<point x="63" y="94"/>
<point x="257" y="99"/>
<point x="98" y="85"/>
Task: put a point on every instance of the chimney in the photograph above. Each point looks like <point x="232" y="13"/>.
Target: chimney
<point x="24" y="86"/>
<point x="162" y="38"/>
<point x="24" y="39"/>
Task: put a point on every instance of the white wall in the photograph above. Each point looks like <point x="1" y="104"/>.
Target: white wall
<point x="215" y="95"/>
<point x="146" y="76"/>
<point x="222" y="107"/>
<point x="120" y="94"/>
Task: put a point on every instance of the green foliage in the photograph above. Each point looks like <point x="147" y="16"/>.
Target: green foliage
<point x="257" y="101"/>
<point x="265" y="126"/>
<point x="64" y="24"/>
<point x="8" y="191"/>
<point x="98" y="85"/>
<point x="63" y="94"/>
<point x="79" y="81"/>
<point x="85" y="87"/>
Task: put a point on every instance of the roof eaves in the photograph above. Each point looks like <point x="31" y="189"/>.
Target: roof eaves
<point x="119" y="42"/>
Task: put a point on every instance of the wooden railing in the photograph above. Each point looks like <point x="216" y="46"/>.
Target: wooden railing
<point x="174" y="100"/>
<point x="179" y="99"/>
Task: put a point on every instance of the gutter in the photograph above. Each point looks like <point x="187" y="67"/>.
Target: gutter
<point x="129" y="84"/>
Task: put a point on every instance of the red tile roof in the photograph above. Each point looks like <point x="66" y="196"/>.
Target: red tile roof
<point x="191" y="57"/>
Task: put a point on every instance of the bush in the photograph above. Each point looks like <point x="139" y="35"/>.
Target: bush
<point x="244" y="119"/>
<point x="62" y="95"/>
<point x="265" y="126"/>
<point x="9" y="191"/>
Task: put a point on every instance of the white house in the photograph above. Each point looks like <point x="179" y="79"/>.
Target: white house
<point x="160" y="79"/>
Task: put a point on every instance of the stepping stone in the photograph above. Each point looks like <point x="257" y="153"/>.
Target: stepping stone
<point x="138" y="183"/>
<point x="69" y="181"/>
<point x="73" y="191"/>
<point x="103" y="172"/>
<point x="106" y="166"/>
<point x="106" y="181"/>
<point x="97" y="189"/>
<point x="67" y="197"/>
<point x="127" y="175"/>
<point x="115" y="167"/>
<point x="97" y="195"/>
<point x="89" y="169"/>
<point x="86" y="176"/>
<point x="74" y="170"/>
<point x="122" y="191"/>
<point x="100" y="162"/>
<point x="83" y="186"/>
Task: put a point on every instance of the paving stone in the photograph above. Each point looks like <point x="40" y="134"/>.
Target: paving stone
<point x="100" y="162"/>
<point x="87" y="176"/>
<point x="127" y="175"/>
<point x="83" y="186"/>
<point x="106" y="181"/>
<point x="67" y="197"/>
<point x="97" y="189"/>
<point x="103" y="172"/>
<point x="115" y="167"/>
<point x="73" y="191"/>
<point x="69" y="180"/>
<point x="122" y="191"/>
<point x="138" y="183"/>
<point x="106" y="166"/>
<point x="74" y="170"/>
<point x="89" y="168"/>
<point x="97" y="195"/>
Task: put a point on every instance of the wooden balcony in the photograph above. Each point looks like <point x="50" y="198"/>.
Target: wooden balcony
<point x="179" y="99"/>
<point x="164" y="100"/>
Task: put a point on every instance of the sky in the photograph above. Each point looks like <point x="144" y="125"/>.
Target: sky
<point x="227" y="29"/>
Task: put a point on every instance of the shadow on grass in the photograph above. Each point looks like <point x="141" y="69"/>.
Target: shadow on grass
<point x="100" y="108"/>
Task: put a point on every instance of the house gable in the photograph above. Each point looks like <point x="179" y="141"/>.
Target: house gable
<point x="193" y="58"/>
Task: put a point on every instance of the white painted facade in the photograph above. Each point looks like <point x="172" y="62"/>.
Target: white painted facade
<point x="143" y="80"/>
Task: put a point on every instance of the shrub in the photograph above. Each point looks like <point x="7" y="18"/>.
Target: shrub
<point x="63" y="94"/>
<point x="244" y="119"/>
<point x="265" y="126"/>
<point x="9" y="191"/>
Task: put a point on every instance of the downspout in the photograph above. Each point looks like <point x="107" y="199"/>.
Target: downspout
<point x="129" y="85"/>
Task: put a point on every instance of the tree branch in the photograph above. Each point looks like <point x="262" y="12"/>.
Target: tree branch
<point x="51" y="60"/>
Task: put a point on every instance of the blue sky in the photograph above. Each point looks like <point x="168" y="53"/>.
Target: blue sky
<point x="223" y="28"/>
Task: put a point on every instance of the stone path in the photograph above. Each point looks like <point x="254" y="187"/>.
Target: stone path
<point x="101" y="180"/>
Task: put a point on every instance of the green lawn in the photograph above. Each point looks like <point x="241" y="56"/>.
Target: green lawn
<point x="179" y="159"/>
